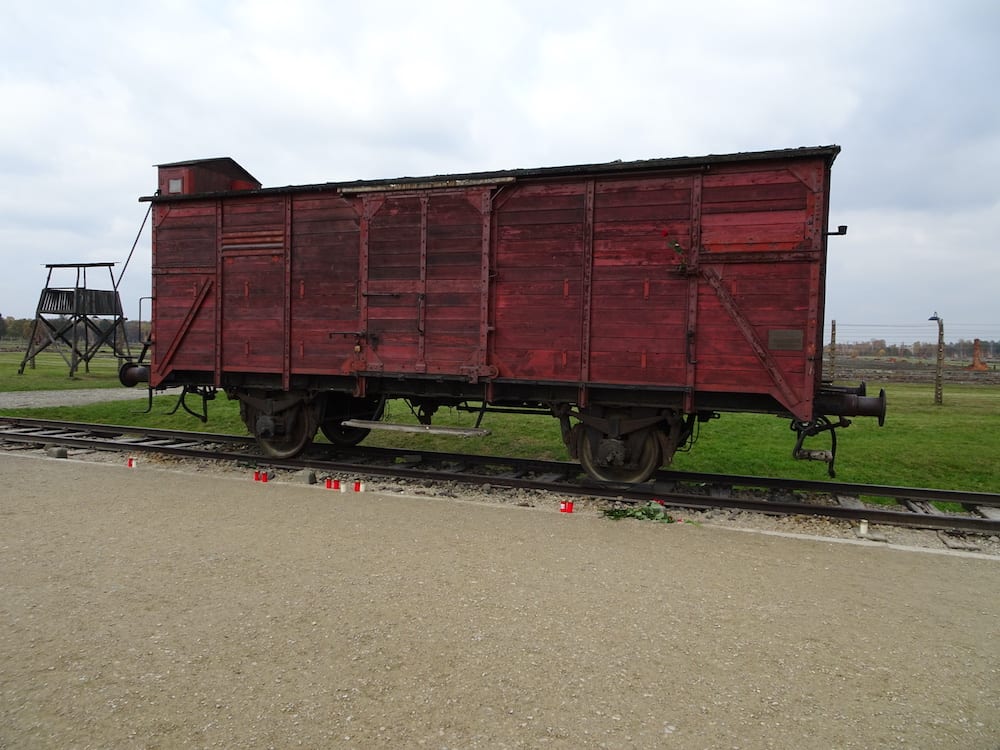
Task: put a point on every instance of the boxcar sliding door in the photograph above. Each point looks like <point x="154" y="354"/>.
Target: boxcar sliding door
<point x="424" y="281"/>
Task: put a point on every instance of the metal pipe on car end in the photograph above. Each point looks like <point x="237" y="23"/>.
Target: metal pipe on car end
<point x="131" y="374"/>
<point x="846" y="404"/>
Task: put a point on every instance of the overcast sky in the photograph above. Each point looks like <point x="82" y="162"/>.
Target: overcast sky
<point x="94" y="94"/>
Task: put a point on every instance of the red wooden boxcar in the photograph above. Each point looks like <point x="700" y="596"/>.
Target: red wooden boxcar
<point x="628" y="299"/>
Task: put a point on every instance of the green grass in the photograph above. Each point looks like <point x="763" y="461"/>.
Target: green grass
<point x="51" y="373"/>
<point x="953" y="446"/>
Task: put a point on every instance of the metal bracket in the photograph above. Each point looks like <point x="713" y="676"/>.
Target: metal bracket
<point x="207" y="394"/>
<point x="811" y="429"/>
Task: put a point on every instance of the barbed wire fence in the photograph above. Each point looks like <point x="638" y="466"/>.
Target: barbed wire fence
<point x="909" y="334"/>
<point x="910" y="351"/>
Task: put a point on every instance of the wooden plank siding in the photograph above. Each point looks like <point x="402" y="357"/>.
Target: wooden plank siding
<point x="704" y="280"/>
<point x="184" y="258"/>
<point x="253" y="247"/>
<point x="638" y="297"/>
<point x="538" y="282"/>
<point x="325" y="286"/>
<point x="424" y="286"/>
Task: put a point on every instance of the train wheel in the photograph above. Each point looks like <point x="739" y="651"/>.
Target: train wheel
<point x="341" y="409"/>
<point x="632" y="470"/>
<point x="299" y="431"/>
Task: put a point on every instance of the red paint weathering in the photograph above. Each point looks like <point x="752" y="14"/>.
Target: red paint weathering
<point x="687" y="285"/>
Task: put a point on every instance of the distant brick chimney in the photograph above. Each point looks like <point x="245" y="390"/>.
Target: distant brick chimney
<point x="977" y="357"/>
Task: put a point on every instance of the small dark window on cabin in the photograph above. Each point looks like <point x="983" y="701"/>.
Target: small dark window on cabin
<point x="175" y="185"/>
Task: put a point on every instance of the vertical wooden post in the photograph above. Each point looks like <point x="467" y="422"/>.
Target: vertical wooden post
<point x="939" y="375"/>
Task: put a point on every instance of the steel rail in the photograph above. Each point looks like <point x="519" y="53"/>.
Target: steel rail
<point x="836" y="488"/>
<point x="9" y="426"/>
<point x="554" y="476"/>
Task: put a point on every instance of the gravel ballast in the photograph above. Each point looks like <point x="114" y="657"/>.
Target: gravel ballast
<point x="167" y="608"/>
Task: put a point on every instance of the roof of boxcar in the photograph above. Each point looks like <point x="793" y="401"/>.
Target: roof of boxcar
<point x="513" y="175"/>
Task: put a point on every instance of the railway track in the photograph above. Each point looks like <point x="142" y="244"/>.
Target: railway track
<point x="913" y="507"/>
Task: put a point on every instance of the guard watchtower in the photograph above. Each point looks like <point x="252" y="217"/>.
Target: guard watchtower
<point x="77" y="321"/>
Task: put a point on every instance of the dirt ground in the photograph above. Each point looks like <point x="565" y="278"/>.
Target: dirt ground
<point x="155" y="608"/>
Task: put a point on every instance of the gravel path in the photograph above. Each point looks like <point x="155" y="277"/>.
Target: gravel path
<point x="70" y="397"/>
<point x="157" y="608"/>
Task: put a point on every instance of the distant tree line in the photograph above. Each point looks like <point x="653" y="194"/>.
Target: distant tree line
<point x="961" y="349"/>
